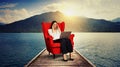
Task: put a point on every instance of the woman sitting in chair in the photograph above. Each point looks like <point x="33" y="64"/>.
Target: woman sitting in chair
<point x="66" y="46"/>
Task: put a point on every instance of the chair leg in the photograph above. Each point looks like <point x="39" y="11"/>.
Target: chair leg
<point x="53" y="56"/>
<point x="49" y="53"/>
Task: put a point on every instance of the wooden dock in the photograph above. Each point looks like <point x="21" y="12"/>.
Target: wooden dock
<point x="43" y="59"/>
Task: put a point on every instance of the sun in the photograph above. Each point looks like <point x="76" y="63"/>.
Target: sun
<point x="69" y="12"/>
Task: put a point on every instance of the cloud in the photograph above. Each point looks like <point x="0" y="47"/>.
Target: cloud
<point x="100" y="9"/>
<point x="10" y="16"/>
<point x="52" y="7"/>
<point x="8" y="5"/>
<point x="46" y="8"/>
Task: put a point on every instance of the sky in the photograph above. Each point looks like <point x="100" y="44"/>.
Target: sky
<point x="14" y="10"/>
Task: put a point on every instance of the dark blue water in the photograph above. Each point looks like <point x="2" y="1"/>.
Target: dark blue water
<point x="102" y="49"/>
<point x="16" y="49"/>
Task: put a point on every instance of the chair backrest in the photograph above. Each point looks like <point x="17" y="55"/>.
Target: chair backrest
<point x="46" y="26"/>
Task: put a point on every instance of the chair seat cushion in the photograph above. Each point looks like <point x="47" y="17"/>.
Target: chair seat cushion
<point x="56" y="45"/>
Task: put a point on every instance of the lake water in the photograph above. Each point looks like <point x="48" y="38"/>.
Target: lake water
<point x="102" y="49"/>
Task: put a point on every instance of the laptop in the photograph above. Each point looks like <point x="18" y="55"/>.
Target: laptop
<point x="65" y="34"/>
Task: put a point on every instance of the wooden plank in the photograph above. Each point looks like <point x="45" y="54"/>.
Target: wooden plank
<point x="43" y="59"/>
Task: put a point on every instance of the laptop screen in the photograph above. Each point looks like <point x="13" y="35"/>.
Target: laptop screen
<point x="65" y="34"/>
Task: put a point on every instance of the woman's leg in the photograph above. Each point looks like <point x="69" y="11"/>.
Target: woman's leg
<point x="63" y="48"/>
<point x="65" y="57"/>
<point x="69" y="48"/>
<point x="66" y="47"/>
<point x="69" y="45"/>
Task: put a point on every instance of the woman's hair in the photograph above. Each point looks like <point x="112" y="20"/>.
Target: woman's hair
<point x="52" y="24"/>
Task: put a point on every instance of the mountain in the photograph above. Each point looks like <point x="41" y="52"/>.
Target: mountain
<point x="116" y="19"/>
<point x="2" y="23"/>
<point x="32" y="24"/>
<point x="73" y="23"/>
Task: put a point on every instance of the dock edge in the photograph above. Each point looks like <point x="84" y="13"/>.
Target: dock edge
<point x="34" y="58"/>
<point x="85" y="58"/>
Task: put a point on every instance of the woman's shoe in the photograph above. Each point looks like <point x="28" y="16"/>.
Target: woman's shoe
<point x="71" y="59"/>
<point x="65" y="60"/>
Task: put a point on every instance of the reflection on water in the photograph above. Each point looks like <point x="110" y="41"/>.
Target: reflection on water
<point x="102" y="49"/>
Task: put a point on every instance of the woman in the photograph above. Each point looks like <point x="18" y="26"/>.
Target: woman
<point x="66" y="46"/>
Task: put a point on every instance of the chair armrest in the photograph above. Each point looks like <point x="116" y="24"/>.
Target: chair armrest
<point x="50" y="37"/>
<point x="50" y="40"/>
<point x="71" y="38"/>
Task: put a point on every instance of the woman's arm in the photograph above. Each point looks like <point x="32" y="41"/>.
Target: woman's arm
<point x="50" y="32"/>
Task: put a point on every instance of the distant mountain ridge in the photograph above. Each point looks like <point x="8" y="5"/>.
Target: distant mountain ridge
<point x="2" y="23"/>
<point x="73" y="23"/>
<point x="116" y="20"/>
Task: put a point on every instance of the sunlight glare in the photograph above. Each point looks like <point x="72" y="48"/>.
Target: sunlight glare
<point x="69" y="12"/>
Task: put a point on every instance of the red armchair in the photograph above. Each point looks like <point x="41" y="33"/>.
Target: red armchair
<point x="52" y="47"/>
